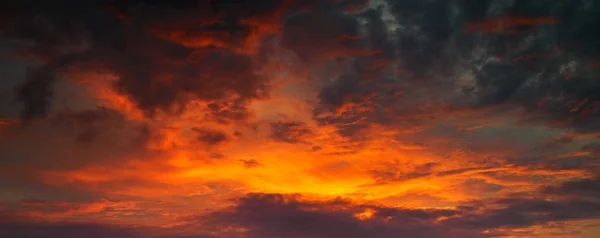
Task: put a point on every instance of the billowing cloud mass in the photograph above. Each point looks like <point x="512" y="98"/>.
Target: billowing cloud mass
<point x="293" y="118"/>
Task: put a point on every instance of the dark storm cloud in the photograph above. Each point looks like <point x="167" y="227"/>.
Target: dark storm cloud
<point x="541" y="60"/>
<point x="289" y="131"/>
<point x="370" y="87"/>
<point x="155" y="71"/>
<point x="422" y="47"/>
<point x="320" y="34"/>
<point x="538" y="81"/>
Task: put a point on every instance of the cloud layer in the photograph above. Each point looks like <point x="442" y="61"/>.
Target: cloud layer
<point x="287" y="118"/>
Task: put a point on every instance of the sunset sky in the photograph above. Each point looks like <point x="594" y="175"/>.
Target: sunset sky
<point x="299" y="118"/>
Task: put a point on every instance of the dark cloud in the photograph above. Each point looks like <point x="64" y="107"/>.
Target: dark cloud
<point x="49" y="230"/>
<point x="392" y="172"/>
<point x="370" y="84"/>
<point x="251" y="163"/>
<point x="155" y="71"/>
<point x="278" y="215"/>
<point x="593" y="149"/>
<point x="90" y="124"/>
<point x="29" y="229"/>
<point x="527" y="212"/>
<point x="321" y="34"/>
<point x="210" y="137"/>
<point x="422" y="48"/>
<point x="35" y="93"/>
<point x="402" y="65"/>
<point x="347" y="88"/>
<point x="21" y="183"/>
<point x="167" y="53"/>
<point x="574" y="200"/>
<point x="540" y="60"/>
<point x="221" y="70"/>
<point x="275" y="215"/>
<point x="289" y="131"/>
<point x="228" y="111"/>
<point x="539" y="80"/>
<point x="73" y="139"/>
<point x="519" y="213"/>
<point x="217" y="156"/>
<point x="354" y="5"/>
<point x="579" y="188"/>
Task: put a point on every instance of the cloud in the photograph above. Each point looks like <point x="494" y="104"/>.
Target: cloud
<point x="578" y="188"/>
<point x="65" y="143"/>
<point x="276" y="215"/>
<point x="73" y="139"/>
<point x="210" y="137"/>
<point x="25" y="229"/>
<point x="251" y="163"/>
<point x="519" y="213"/>
<point x="479" y="116"/>
<point x="285" y="215"/>
<point x="429" y="68"/>
<point x="500" y="23"/>
<point x="573" y="200"/>
<point x="156" y="73"/>
<point x="289" y="131"/>
<point x="37" y="90"/>
<point x="322" y="34"/>
<point x="30" y="230"/>
<point x="228" y="111"/>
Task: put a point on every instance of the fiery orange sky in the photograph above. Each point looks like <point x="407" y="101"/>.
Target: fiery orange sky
<point x="299" y="119"/>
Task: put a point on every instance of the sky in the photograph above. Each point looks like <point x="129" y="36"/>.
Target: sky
<point x="299" y="118"/>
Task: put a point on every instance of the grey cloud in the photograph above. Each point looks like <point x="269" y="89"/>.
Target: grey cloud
<point x="525" y="71"/>
<point x="73" y="139"/>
